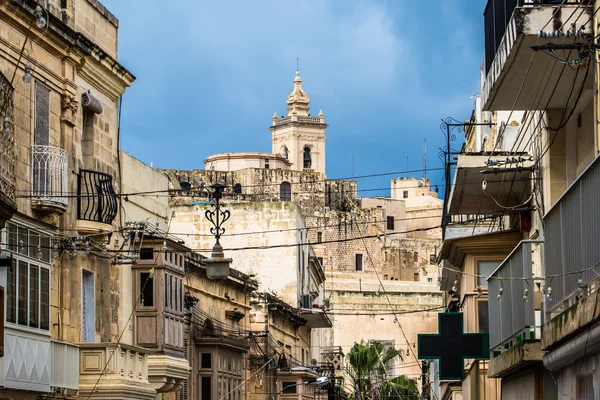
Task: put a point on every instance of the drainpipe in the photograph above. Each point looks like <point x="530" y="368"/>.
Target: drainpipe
<point x="587" y="342"/>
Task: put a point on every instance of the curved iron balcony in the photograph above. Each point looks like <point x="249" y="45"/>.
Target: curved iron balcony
<point x="50" y="174"/>
<point x="7" y="167"/>
<point x="96" y="198"/>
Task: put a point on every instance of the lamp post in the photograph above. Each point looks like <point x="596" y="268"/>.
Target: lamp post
<point x="217" y="266"/>
<point x="320" y="381"/>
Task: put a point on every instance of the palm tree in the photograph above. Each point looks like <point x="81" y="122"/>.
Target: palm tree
<point x="368" y="363"/>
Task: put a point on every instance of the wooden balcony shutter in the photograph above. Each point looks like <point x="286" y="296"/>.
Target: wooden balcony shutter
<point x="183" y="393"/>
<point x="1" y="321"/>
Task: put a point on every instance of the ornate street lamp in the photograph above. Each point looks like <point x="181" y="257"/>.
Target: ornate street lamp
<point x="217" y="266"/>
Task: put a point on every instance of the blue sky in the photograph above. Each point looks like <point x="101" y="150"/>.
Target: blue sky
<point x="210" y="74"/>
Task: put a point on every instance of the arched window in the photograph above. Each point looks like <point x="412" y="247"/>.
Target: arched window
<point x="285" y="191"/>
<point x="307" y="157"/>
<point x="284" y="152"/>
<point x="237" y="188"/>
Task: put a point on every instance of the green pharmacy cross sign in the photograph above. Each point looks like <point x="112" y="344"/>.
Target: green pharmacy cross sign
<point x="452" y="346"/>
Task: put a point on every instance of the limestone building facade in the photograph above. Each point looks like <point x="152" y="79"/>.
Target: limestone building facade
<point x="315" y="245"/>
<point x="73" y="322"/>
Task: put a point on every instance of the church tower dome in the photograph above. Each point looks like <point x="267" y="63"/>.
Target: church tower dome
<point x="299" y="136"/>
<point x="298" y="99"/>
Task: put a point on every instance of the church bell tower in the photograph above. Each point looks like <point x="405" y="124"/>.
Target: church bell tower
<point x="299" y="136"/>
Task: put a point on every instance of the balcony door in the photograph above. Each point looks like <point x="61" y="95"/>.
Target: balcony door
<point x="41" y="141"/>
<point x="88" y="319"/>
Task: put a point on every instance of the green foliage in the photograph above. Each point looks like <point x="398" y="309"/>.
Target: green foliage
<point x="367" y="369"/>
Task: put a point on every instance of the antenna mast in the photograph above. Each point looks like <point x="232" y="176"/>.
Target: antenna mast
<point x="425" y="158"/>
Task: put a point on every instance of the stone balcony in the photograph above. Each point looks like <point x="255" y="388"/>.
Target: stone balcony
<point x="122" y="369"/>
<point x="167" y="373"/>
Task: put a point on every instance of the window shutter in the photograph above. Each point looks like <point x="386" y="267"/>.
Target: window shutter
<point x="1" y="321"/>
<point x="183" y="393"/>
<point x="41" y="135"/>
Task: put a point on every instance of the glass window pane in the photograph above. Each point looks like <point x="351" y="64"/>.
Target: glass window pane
<point x="170" y="284"/>
<point x="176" y="294"/>
<point x="485" y="269"/>
<point x="146" y="290"/>
<point x="206" y="360"/>
<point x="11" y="232"/>
<point x="180" y="305"/>
<point x="146" y="253"/>
<point x="45" y="243"/>
<point x="483" y="316"/>
<point x="205" y="388"/>
<point x="45" y="299"/>
<point x="390" y="222"/>
<point x="34" y="241"/>
<point x="22" y="293"/>
<point x="289" y="387"/>
<point x="11" y="293"/>
<point x="166" y="295"/>
<point x="23" y="241"/>
<point x="34" y="296"/>
<point x="359" y="262"/>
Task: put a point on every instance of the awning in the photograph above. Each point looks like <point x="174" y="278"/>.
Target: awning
<point x="453" y="252"/>
<point x="509" y="186"/>
<point x="315" y="317"/>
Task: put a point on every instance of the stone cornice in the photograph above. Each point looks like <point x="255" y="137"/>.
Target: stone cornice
<point x="100" y="77"/>
<point x="107" y="67"/>
<point x="495" y="243"/>
<point x="246" y="155"/>
<point x="296" y="123"/>
<point x="231" y="343"/>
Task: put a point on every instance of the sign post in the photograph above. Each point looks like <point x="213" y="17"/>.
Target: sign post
<point x="452" y="346"/>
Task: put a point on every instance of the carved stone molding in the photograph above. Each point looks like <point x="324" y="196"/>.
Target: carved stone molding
<point x="69" y="110"/>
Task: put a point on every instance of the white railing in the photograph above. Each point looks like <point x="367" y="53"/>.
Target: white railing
<point x="65" y="365"/>
<point x="281" y="121"/>
<point x="311" y="120"/>
<point x="512" y="317"/>
<point x="50" y="174"/>
<point x="572" y="254"/>
<point x="26" y="364"/>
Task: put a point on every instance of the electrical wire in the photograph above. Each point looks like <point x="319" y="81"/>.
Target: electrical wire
<point x="277" y="246"/>
<point x="155" y="192"/>
<point x="138" y="299"/>
<point x="556" y="11"/>
<point x="563" y="124"/>
<point x="247" y="379"/>
<point x="385" y="293"/>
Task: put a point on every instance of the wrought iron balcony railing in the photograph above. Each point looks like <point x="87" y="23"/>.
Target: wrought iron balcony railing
<point x="96" y="198"/>
<point x="513" y="315"/>
<point x="50" y="174"/>
<point x="7" y="166"/>
<point x="571" y="229"/>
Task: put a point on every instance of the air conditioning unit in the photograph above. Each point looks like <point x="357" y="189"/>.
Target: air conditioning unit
<point x="307" y="301"/>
